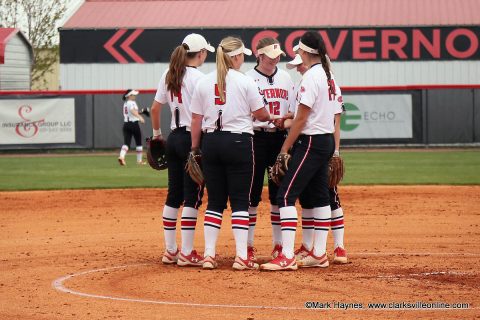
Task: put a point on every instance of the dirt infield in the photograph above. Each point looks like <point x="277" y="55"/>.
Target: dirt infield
<point x="95" y="254"/>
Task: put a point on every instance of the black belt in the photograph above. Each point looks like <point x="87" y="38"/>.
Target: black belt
<point x="207" y="131"/>
<point x="181" y="129"/>
<point x="270" y="130"/>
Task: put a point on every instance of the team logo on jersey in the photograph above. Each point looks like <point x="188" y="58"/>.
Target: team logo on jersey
<point x="340" y="99"/>
<point x="302" y="89"/>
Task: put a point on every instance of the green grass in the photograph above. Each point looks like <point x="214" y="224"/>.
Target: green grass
<point x="456" y="167"/>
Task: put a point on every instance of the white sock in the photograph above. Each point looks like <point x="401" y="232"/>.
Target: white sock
<point x="252" y="214"/>
<point x="322" y="216"/>
<point x="288" y="220"/>
<point x="338" y="227"/>
<point x="188" y="223"/>
<point x="276" y="229"/>
<point x="169" y="227"/>
<point x="211" y="227"/>
<point x="139" y="150"/>
<point x="240" y="220"/>
<point x="123" y="151"/>
<point x="307" y="228"/>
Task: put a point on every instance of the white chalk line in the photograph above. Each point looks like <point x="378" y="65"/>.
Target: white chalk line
<point x="58" y="284"/>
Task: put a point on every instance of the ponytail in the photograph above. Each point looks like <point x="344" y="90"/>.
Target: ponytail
<point x="322" y="51"/>
<point x="177" y="69"/>
<point x="224" y="62"/>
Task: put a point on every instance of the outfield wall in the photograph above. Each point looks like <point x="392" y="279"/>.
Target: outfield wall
<point x="375" y="116"/>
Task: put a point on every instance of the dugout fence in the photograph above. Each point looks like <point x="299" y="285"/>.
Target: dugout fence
<point x="401" y="116"/>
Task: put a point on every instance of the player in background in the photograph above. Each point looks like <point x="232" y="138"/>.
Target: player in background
<point x="224" y="102"/>
<point x="337" y="221"/>
<point x="311" y="134"/>
<point x="131" y="128"/>
<point x="176" y="88"/>
<point x="276" y="88"/>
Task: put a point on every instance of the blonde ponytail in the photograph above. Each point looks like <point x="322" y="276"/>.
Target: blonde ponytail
<point x="224" y="62"/>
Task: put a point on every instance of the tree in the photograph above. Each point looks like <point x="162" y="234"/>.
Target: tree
<point x="38" y="20"/>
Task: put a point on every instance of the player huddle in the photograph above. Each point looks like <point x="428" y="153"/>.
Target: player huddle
<point x="237" y="126"/>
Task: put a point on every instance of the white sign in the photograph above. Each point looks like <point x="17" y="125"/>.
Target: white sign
<point x="377" y="116"/>
<point x="31" y="121"/>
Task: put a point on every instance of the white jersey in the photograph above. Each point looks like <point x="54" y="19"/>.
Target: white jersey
<point x="128" y="106"/>
<point x="276" y="91"/>
<point x="179" y="104"/>
<point x="234" y="114"/>
<point x="338" y="105"/>
<point x="314" y="93"/>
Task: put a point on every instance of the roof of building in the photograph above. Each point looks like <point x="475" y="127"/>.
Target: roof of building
<point x="5" y="35"/>
<point x="103" y="14"/>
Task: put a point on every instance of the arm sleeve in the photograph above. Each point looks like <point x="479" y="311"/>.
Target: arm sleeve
<point x="292" y="99"/>
<point x="338" y="100"/>
<point x="308" y="91"/>
<point x="132" y="105"/>
<point x="197" y="104"/>
<point x="162" y="95"/>
<point x="254" y="99"/>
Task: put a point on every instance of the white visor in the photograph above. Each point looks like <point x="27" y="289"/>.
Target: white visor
<point x="242" y="49"/>
<point x="131" y="93"/>
<point x="295" y="62"/>
<point x="304" y="47"/>
<point x="272" y="51"/>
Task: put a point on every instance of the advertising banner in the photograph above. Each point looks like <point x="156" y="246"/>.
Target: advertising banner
<point x="377" y="116"/>
<point x="34" y="121"/>
<point x="343" y="44"/>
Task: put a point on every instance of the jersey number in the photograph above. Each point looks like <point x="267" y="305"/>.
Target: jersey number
<point x="218" y="101"/>
<point x="177" y="95"/>
<point x="274" y="107"/>
<point x="331" y="90"/>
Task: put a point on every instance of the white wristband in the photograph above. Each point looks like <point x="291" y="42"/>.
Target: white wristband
<point x="157" y="132"/>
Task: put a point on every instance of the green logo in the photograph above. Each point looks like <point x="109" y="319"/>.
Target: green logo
<point x="349" y="121"/>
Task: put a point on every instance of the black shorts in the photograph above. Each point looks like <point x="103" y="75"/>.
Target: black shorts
<point x="132" y="129"/>
<point x="181" y="188"/>
<point x="228" y="168"/>
<point x="308" y="171"/>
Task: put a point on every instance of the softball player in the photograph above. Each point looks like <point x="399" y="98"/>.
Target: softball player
<point x="131" y="117"/>
<point x="225" y="100"/>
<point x="276" y="88"/>
<point x="176" y="88"/>
<point x="312" y="136"/>
<point x="336" y="221"/>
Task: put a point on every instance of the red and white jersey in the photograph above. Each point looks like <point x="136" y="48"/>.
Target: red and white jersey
<point x="339" y="104"/>
<point x="182" y="101"/>
<point x="276" y="90"/>
<point x="314" y="93"/>
<point x="128" y="106"/>
<point x="234" y="114"/>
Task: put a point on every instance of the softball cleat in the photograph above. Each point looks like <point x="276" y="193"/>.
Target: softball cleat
<point x="209" y="263"/>
<point x="301" y="253"/>
<point x="241" y="264"/>
<point x="191" y="260"/>
<point x="170" y="257"/>
<point x="311" y="261"/>
<point x="277" y="249"/>
<point x="340" y="256"/>
<point x="251" y="253"/>
<point x="280" y="263"/>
